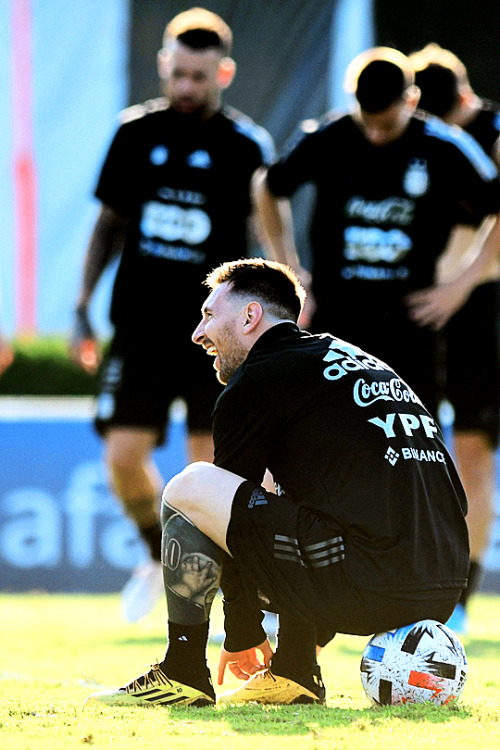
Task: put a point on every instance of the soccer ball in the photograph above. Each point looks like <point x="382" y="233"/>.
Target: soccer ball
<point x="418" y="663"/>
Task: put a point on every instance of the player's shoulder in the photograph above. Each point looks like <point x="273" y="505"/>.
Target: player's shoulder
<point x="454" y="137"/>
<point x="313" y="131"/>
<point x="331" y="121"/>
<point x="435" y="128"/>
<point x="138" y="112"/>
<point x="248" y="129"/>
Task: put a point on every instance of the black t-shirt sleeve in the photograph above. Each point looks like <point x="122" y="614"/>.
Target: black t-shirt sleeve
<point x="243" y="430"/>
<point x="242" y="435"/>
<point x="118" y="179"/>
<point x="242" y="621"/>
<point x="474" y="178"/>
<point x="481" y="196"/>
<point x="295" y="168"/>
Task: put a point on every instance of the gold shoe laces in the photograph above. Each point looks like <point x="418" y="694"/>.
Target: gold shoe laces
<point x="153" y="678"/>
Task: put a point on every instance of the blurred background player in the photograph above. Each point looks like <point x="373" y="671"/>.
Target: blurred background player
<point x="175" y="201"/>
<point x="389" y="181"/>
<point x="472" y="384"/>
<point x="391" y="184"/>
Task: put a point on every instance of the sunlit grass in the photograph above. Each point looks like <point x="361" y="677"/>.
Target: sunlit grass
<point x="58" y="648"/>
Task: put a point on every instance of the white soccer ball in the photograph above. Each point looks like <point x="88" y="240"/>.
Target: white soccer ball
<point x="418" y="663"/>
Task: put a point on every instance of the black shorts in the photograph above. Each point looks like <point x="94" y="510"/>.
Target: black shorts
<point x="472" y="358"/>
<point x="290" y="559"/>
<point x="140" y="379"/>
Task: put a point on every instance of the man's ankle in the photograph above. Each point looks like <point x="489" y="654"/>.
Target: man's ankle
<point x="310" y="679"/>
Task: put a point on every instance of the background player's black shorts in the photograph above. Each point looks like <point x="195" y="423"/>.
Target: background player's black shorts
<point x="141" y="377"/>
<point x="290" y="559"/>
<point x="472" y="346"/>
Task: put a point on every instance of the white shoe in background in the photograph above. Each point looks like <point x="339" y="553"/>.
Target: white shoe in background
<point x="142" y="591"/>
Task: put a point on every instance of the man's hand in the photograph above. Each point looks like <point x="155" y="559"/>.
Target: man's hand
<point x="6" y="354"/>
<point x="243" y="664"/>
<point x="435" y="305"/>
<point x="84" y="349"/>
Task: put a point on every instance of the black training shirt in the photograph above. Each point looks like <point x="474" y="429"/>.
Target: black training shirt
<point x="183" y="184"/>
<point x="343" y="435"/>
<point x="485" y="127"/>
<point x="382" y="215"/>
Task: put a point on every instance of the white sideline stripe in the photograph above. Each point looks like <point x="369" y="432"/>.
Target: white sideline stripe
<point x="65" y="408"/>
<point x="41" y="408"/>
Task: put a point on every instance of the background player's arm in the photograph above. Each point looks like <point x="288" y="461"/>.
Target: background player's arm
<point x="275" y="223"/>
<point x="464" y="241"/>
<point x="105" y="243"/>
<point x="435" y="305"/>
<point x="6" y="353"/>
<point x="275" y="220"/>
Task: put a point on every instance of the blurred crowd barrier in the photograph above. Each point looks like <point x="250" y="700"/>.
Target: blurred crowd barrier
<point x="60" y="527"/>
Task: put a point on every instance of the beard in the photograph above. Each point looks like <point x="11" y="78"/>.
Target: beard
<point x="189" y="108"/>
<point x="234" y="355"/>
<point x="227" y="367"/>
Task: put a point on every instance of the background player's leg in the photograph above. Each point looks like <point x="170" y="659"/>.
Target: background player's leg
<point x="138" y="484"/>
<point x="136" y="480"/>
<point x="200" y="446"/>
<point x="476" y="465"/>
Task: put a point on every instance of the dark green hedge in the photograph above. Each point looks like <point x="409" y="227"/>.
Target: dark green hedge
<point x="42" y="368"/>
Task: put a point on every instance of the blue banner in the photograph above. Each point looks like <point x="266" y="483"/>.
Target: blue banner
<point x="61" y="529"/>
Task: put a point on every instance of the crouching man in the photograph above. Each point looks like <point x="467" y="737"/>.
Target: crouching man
<point x="366" y="533"/>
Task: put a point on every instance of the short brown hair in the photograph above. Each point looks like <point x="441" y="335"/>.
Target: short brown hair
<point x="441" y="77"/>
<point x="275" y="284"/>
<point x="200" y="29"/>
<point x="379" y="77"/>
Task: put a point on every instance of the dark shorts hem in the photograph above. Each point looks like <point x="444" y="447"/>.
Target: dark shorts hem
<point x="291" y="559"/>
<point x="139" y="381"/>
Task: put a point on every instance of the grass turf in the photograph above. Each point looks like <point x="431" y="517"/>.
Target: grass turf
<point x="58" y="648"/>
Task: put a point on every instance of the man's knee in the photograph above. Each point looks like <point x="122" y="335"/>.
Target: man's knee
<point x="201" y="489"/>
<point x="186" y="487"/>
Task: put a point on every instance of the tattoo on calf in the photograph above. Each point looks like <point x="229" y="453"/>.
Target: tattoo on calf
<point x="192" y="566"/>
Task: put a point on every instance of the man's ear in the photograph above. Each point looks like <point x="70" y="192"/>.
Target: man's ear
<point x="163" y="64"/>
<point x="226" y="72"/>
<point x="412" y="96"/>
<point x="253" y="316"/>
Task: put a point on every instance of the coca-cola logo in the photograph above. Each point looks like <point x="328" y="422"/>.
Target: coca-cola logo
<point x="366" y="394"/>
<point x="388" y="211"/>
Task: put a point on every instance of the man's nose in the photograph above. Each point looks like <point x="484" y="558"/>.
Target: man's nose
<point x="197" y="336"/>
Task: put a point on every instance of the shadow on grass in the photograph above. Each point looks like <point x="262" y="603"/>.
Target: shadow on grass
<point x="481" y="648"/>
<point x="295" y="721"/>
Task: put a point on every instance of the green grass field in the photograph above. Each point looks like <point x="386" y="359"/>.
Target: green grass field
<point x="56" y="649"/>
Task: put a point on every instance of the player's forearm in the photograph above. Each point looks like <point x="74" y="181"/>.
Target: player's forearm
<point x="106" y="241"/>
<point x="242" y="622"/>
<point x="488" y="253"/>
<point x="275" y="223"/>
